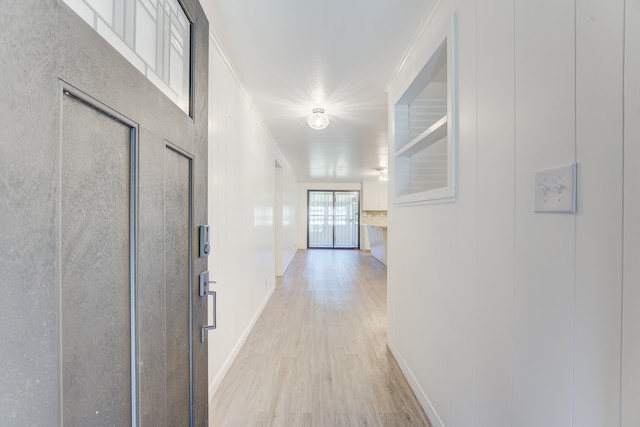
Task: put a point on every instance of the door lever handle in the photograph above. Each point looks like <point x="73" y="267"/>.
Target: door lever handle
<point x="215" y="320"/>
<point x="205" y="289"/>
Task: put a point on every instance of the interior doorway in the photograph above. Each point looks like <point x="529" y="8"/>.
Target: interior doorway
<point x="333" y="219"/>
<point x="277" y="220"/>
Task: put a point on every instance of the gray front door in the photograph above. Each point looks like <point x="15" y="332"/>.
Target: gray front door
<point x="102" y="187"/>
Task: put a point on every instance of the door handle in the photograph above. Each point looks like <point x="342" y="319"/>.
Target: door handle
<point x="215" y="320"/>
<point x="205" y="290"/>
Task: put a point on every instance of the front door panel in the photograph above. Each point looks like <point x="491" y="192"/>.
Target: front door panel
<point x="177" y="213"/>
<point x="95" y="267"/>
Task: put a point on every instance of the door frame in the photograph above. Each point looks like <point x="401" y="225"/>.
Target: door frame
<point x="277" y="219"/>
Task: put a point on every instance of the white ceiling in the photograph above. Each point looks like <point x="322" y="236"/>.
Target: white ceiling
<point x="294" y="55"/>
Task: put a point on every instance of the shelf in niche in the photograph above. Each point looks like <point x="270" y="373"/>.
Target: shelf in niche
<point x="424" y="159"/>
<point x="430" y="136"/>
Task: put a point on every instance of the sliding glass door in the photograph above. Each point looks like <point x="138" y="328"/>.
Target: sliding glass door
<point x="333" y="219"/>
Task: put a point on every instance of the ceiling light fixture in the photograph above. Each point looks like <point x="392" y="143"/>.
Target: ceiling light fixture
<point x="318" y="119"/>
<point x="383" y="176"/>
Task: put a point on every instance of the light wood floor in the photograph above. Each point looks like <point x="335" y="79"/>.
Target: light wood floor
<point x="317" y="356"/>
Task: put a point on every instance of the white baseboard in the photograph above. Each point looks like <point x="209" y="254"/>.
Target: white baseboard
<point x="215" y="383"/>
<point x="429" y="410"/>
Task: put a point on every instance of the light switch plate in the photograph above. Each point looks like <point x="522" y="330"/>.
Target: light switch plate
<point x="555" y="189"/>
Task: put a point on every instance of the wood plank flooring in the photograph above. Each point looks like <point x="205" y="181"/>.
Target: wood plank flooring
<point x="318" y="355"/>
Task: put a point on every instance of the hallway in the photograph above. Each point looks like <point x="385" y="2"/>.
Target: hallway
<point x="317" y="356"/>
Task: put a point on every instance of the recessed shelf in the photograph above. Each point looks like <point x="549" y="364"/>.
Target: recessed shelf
<point x="433" y="134"/>
<point x="437" y="195"/>
<point x="425" y="130"/>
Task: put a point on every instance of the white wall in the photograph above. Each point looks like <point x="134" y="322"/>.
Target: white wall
<point x="242" y="184"/>
<point x="302" y="188"/>
<point x="500" y="316"/>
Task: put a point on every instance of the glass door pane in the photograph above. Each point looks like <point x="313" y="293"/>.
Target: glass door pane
<point x="346" y="219"/>
<point x="320" y="219"/>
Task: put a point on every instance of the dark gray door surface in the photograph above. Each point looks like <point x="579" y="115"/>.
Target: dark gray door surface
<point x="177" y="183"/>
<point x="96" y="289"/>
<point x="102" y="186"/>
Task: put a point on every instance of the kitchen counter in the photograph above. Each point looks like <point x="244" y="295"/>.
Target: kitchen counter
<point x="378" y="241"/>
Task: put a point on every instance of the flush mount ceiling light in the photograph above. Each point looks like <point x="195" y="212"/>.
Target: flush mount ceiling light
<point x="383" y="173"/>
<point x="318" y="119"/>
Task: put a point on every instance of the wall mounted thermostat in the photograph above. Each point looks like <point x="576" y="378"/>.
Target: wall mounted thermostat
<point x="205" y="238"/>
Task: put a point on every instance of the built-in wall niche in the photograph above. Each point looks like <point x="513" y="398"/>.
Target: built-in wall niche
<point x="425" y="131"/>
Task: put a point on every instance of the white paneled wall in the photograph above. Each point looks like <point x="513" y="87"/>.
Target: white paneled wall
<point x="493" y="342"/>
<point x="500" y="316"/>
<point x="599" y="237"/>
<point x="544" y="244"/>
<point x="462" y="248"/>
<point x="242" y="188"/>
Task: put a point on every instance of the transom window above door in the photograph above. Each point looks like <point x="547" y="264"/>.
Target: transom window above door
<point x="153" y="35"/>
